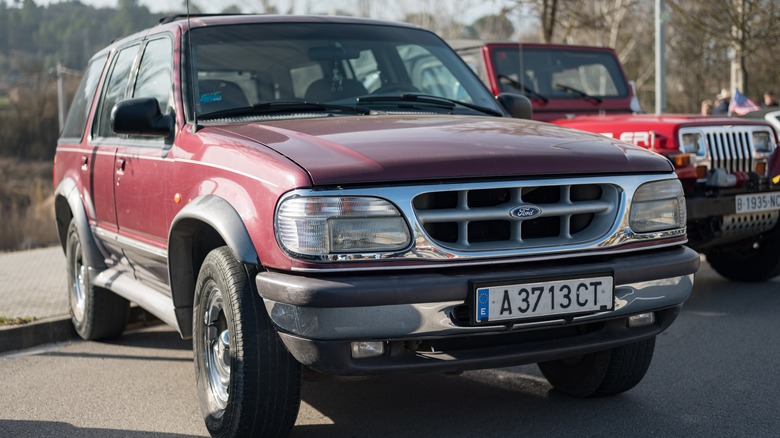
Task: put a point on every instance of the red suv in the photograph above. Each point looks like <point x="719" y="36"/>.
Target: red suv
<point x="344" y="197"/>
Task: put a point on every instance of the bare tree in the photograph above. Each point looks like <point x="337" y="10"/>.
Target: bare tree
<point x="744" y="26"/>
<point x="619" y="24"/>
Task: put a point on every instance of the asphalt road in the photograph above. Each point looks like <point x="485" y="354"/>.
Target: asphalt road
<point x="715" y="373"/>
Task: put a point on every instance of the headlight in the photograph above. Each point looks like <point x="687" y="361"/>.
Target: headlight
<point x="692" y="144"/>
<point x="762" y="142"/>
<point x="658" y="206"/>
<point x="336" y="225"/>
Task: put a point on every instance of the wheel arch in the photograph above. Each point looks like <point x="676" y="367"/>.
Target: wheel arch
<point x="69" y="207"/>
<point x="206" y="223"/>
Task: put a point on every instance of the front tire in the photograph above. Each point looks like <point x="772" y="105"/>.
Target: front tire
<point x="751" y="261"/>
<point x="248" y="383"/>
<point x="602" y="373"/>
<point x="96" y="313"/>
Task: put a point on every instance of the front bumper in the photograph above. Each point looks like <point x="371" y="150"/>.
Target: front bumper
<point x="416" y="314"/>
<point x="713" y="221"/>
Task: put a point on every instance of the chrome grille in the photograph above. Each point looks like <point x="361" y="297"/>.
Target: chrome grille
<point x="730" y="150"/>
<point x="481" y="220"/>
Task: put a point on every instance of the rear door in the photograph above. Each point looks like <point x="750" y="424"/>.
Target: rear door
<point x="101" y="161"/>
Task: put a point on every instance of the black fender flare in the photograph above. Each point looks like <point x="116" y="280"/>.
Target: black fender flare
<point x="217" y="222"/>
<point x="67" y="190"/>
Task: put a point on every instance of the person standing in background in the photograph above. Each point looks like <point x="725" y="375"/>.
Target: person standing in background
<point x="722" y="101"/>
<point x="769" y="100"/>
<point x="706" y="107"/>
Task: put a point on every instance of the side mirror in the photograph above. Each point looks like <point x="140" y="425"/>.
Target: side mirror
<point x="141" y="116"/>
<point x="517" y="105"/>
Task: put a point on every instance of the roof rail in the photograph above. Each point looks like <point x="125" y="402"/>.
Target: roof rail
<point x="172" y="18"/>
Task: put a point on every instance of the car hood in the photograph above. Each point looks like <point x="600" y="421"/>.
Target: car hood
<point x="671" y="119"/>
<point x="383" y="148"/>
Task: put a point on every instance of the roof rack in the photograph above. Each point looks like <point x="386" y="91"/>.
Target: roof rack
<point x="172" y="18"/>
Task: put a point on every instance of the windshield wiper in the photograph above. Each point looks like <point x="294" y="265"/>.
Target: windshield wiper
<point x="284" y="107"/>
<point x="430" y="100"/>
<point x="580" y="93"/>
<point x="520" y="86"/>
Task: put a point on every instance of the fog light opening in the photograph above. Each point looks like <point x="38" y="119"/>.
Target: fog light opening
<point x="366" y="349"/>
<point x="641" y="320"/>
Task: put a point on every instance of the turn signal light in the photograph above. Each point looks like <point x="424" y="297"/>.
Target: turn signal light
<point x="701" y="172"/>
<point x="681" y="160"/>
<point x="761" y="168"/>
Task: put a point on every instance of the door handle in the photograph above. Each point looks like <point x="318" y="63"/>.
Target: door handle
<point x="84" y="163"/>
<point x="120" y="166"/>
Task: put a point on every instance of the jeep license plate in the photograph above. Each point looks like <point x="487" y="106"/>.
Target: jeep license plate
<point x="506" y="302"/>
<point x="757" y="202"/>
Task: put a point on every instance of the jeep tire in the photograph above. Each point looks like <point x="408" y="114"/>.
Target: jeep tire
<point x="248" y="383"/>
<point x="602" y="373"/>
<point x="751" y="261"/>
<point x="96" y="313"/>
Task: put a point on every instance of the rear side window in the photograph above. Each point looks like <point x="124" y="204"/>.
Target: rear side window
<point x="115" y="90"/>
<point x="82" y="101"/>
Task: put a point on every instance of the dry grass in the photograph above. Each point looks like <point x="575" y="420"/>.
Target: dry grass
<point x="4" y="320"/>
<point x="26" y="205"/>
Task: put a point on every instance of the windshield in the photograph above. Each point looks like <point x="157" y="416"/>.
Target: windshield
<point x="559" y="73"/>
<point x="247" y="65"/>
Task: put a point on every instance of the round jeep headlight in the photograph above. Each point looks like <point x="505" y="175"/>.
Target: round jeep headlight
<point x="692" y="144"/>
<point x="339" y="225"/>
<point x="658" y="206"/>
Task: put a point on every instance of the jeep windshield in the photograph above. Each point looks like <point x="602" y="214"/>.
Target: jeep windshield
<point x="243" y="67"/>
<point x="559" y="74"/>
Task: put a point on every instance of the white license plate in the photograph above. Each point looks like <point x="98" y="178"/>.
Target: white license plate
<point x="543" y="298"/>
<point x="758" y="202"/>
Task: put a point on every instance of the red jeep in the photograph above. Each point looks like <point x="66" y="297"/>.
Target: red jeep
<point x="728" y="166"/>
<point x="344" y="197"/>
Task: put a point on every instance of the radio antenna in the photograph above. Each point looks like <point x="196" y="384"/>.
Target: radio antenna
<point x="193" y="73"/>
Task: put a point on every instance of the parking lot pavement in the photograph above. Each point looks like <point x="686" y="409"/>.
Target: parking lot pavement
<point x="33" y="286"/>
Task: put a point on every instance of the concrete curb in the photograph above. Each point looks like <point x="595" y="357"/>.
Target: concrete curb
<point x="32" y="334"/>
<point x="58" y="329"/>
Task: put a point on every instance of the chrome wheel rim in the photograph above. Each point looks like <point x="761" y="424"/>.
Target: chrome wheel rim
<point x="78" y="290"/>
<point x="217" y="347"/>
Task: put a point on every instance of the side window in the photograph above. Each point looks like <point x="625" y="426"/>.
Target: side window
<point x="82" y="101"/>
<point x="114" y="91"/>
<point x="155" y="75"/>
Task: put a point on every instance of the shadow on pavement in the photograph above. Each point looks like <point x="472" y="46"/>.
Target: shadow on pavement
<point x="25" y="428"/>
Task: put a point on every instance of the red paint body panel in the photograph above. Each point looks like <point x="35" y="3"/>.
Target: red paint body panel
<point x="666" y="125"/>
<point x="418" y="148"/>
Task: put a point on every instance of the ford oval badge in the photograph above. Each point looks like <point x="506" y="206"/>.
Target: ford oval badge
<point x="524" y="212"/>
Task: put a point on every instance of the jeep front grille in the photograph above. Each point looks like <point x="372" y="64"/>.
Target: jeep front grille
<point x="729" y="148"/>
<point x="480" y="219"/>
